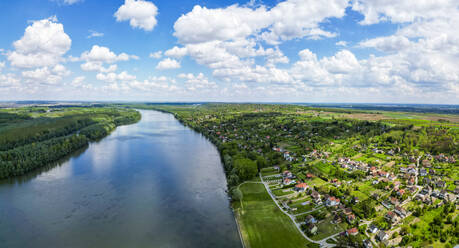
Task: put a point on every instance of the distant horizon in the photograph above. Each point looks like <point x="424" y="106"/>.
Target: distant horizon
<point x="237" y="102"/>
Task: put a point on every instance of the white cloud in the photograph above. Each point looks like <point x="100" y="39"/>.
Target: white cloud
<point x="77" y="82"/>
<point x="97" y="66"/>
<point x="197" y="82"/>
<point x="285" y="21"/>
<point x="43" y="44"/>
<point x="113" y="77"/>
<point x="93" y="33"/>
<point x="141" y="14"/>
<point x="156" y="55"/>
<point x="341" y="43"/>
<point x="167" y="64"/>
<point x="388" y="44"/>
<point x="176" y="52"/>
<point x="103" y="54"/>
<point x="46" y="75"/>
<point x="8" y="81"/>
<point x="400" y="11"/>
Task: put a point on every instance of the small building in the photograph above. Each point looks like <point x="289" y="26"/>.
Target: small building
<point x="332" y="201"/>
<point x="350" y="218"/>
<point x="312" y="229"/>
<point x="367" y="243"/>
<point x="390" y="216"/>
<point x="373" y="229"/>
<point x="382" y="236"/>
<point x="310" y="219"/>
<point x="352" y="232"/>
<point x="400" y="211"/>
<point x="300" y="187"/>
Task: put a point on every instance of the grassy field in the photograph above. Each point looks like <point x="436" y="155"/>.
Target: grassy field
<point x="326" y="228"/>
<point x="262" y="224"/>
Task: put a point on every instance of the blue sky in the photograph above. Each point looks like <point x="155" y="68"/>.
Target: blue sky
<point x="283" y="51"/>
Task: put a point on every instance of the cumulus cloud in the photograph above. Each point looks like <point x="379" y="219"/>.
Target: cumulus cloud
<point x="103" y="54"/>
<point x="156" y="55"/>
<point x="43" y="44"/>
<point x="400" y="11"/>
<point x="140" y="14"/>
<point x="98" y="66"/>
<point x="167" y="64"/>
<point x="197" y="82"/>
<point x="114" y="77"/>
<point x="46" y="75"/>
<point x="285" y="21"/>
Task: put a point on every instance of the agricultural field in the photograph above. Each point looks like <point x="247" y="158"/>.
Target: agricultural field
<point x="262" y="224"/>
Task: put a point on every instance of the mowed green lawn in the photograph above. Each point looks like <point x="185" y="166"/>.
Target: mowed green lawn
<point x="262" y="223"/>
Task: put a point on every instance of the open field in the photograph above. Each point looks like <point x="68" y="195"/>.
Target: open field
<point x="262" y="223"/>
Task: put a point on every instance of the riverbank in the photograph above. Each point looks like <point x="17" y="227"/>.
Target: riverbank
<point x="155" y="183"/>
<point x="32" y="138"/>
<point x="260" y="222"/>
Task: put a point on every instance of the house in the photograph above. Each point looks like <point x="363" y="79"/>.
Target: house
<point x="301" y="187"/>
<point x="423" y="172"/>
<point x="400" y="211"/>
<point x="347" y="211"/>
<point x="355" y="199"/>
<point x="426" y="163"/>
<point x="353" y="231"/>
<point x="336" y="219"/>
<point x="373" y="229"/>
<point x="287" y="174"/>
<point x="394" y="201"/>
<point x="367" y="243"/>
<point x="390" y="216"/>
<point x="312" y="229"/>
<point x="440" y="184"/>
<point x="412" y="189"/>
<point x="288" y="181"/>
<point x="310" y="219"/>
<point x="400" y="192"/>
<point x="350" y="218"/>
<point x="316" y="196"/>
<point x="382" y="236"/>
<point x="332" y="201"/>
<point x="397" y="185"/>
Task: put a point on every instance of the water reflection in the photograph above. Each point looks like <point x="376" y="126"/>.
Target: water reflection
<point x="152" y="184"/>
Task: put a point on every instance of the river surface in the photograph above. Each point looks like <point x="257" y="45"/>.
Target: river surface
<point x="151" y="184"/>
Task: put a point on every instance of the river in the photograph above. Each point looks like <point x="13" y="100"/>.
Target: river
<point x="155" y="183"/>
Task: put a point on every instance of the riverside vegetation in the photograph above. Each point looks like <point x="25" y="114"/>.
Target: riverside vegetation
<point x="32" y="137"/>
<point x="347" y="177"/>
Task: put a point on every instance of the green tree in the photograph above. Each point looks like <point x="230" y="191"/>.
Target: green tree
<point x="246" y="168"/>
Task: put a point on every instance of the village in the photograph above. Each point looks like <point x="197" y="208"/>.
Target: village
<point x="316" y="211"/>
<point x="344" y="181"/>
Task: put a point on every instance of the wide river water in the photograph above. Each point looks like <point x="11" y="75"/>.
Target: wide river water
<point x="151" y="184"/>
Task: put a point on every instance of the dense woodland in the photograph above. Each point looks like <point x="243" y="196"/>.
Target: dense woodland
<point x="32" y="137"/>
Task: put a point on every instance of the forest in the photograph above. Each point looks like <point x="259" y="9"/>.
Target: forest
<point x="32" y="137"/>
